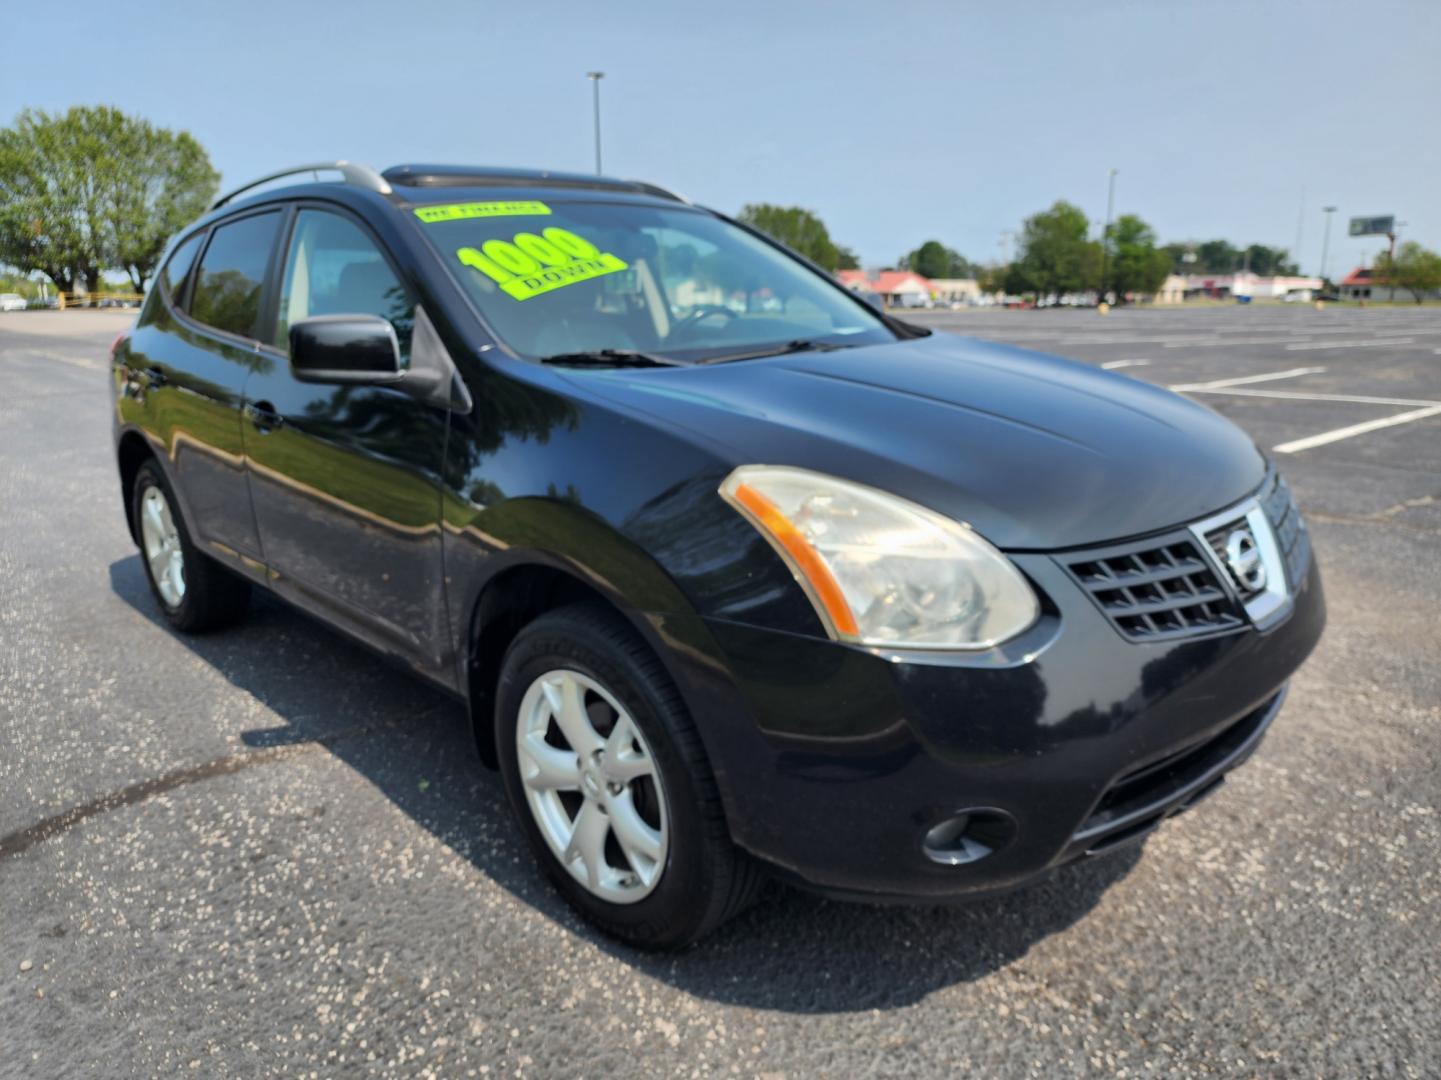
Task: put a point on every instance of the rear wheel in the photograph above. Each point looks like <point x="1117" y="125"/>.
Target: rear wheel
<point x="606" y="774"/>
<point x="194" y="592"/>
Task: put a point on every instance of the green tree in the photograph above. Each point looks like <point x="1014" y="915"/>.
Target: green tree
<point x="1266" y="261"/>
<point x="1217" y="257"/>
<point x="1223" y="257"/>
<point x="1137" y="264"/>
<point x="1055" y="255"/>
<point x="93" y="189"/>
<point x="934" y="260"/>
<point x="1183" y="258"/>
<point x="1415" y="269"/>
<point x="992" y="279"/>
<point x="846" y="259"/>
<point x="801" y="230"/>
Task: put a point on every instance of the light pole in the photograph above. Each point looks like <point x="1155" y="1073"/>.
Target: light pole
<point x="595" y="78"/>
<point x="1326" y="241"/>
<point x="1106" y="235"/>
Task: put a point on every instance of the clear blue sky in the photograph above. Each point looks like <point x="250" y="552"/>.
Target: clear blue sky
<point x="895" y="122"/>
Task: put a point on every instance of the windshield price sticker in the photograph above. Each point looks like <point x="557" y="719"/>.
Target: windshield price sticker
<point x="461" y="211"/>
<point x="531" y="265"/>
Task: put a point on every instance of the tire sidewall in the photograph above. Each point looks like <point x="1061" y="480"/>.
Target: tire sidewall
<point x="679" y="900"/>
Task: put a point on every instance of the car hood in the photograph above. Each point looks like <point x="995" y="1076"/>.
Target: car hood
<point x="1033" y="451"/>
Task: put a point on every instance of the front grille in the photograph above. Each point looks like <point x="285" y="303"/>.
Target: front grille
<point x="1291" y="535"/>
<point x="1156" y="589"/>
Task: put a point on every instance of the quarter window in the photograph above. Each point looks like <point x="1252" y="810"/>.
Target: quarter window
<point x="335" y="268"/>
<point x="232" y="274"/>
<point x="177" y="268"/>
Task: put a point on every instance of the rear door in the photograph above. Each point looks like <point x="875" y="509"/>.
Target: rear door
<point x="345" y="480"/>
<point x="189" y="359"/>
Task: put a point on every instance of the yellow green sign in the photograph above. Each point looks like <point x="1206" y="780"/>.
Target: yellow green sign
<point x="531" y="264"/>
<point x="460" y="211"/>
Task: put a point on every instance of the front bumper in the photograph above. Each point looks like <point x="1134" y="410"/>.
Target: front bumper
<point x="835" y="761"/>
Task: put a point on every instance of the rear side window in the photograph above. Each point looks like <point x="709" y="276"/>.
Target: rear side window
<point x="334" y="268"/>
<point x="177" y="268"/>
<point x="232" y="274"/>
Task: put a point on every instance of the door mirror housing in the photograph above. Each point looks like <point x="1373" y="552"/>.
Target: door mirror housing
<point x="353" y="349"/>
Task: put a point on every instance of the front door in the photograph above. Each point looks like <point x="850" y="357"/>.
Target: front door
<point x="345" y="480"/>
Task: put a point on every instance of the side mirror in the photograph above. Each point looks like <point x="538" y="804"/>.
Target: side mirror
<point x="359" y="349"/>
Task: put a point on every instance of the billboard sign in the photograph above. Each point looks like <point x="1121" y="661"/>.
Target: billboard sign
<point x="1373" y="226"/>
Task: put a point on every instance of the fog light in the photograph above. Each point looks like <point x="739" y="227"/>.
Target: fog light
<point x="969" y="836"/>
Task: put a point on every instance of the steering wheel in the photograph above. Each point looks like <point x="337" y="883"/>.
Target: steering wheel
<point x="699" y="314"/>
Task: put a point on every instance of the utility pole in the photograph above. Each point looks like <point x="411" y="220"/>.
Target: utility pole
<point x="1300" y="229"/>
<point x="1391" y="258"/>
<point x="1326" y="241"/>
<point x="1106" y="235"/>
<point x="595" y="78"/>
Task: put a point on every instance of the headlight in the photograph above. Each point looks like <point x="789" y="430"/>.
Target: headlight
<point x="881" y="570"/>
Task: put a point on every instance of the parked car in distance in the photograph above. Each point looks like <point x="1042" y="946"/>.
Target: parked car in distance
<point x="735" y="574"/>
<point x="13" y="302"/>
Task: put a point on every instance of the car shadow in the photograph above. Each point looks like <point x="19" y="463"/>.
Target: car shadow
<point x="792" y="952"/>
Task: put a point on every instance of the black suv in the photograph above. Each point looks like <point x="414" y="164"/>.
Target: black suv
<point x="735" y="572"/>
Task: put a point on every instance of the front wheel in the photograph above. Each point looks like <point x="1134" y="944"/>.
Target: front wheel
<point x="605" y="772"/>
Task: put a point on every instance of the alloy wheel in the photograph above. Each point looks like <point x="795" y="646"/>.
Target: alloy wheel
<point x="592" y="786"/>
<point x="161" y="541"/>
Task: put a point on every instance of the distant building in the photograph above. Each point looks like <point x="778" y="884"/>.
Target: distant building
<point x="1362" y="283"/>
<point x="1357" y="285"/>
<point x="1172" y="290"/>
<point x="902" y="288"/>
<point x="955" y="290"/>
<point x="906" y="288"/>
<point x="1223" y="286"/>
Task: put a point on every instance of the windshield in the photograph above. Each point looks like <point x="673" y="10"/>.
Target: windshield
<point x="564" y="278"/>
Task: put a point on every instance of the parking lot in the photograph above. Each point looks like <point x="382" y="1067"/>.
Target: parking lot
<point x="263" y="852"/>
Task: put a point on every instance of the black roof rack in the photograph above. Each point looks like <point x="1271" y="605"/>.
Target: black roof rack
<point x="491" y="176"/>
<point x="351" y="172"/>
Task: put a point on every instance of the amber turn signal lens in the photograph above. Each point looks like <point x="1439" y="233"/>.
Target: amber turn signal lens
<point x="822" y="581"/>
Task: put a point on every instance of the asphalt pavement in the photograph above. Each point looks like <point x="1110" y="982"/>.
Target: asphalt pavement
<point x="261" y="852"/>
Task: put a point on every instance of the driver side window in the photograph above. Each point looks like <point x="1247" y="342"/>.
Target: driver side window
<point x="334" y="268"/>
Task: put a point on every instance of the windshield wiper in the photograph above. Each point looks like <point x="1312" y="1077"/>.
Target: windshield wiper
<point x="612" y="358"/>
<point x="794" y="346"/>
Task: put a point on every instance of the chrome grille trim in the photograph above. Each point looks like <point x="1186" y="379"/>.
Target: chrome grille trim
<point x="1270" y="603"/>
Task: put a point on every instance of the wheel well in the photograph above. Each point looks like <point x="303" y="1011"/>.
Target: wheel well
<point x="516" y="597"/>
<point x="132" y="453"/>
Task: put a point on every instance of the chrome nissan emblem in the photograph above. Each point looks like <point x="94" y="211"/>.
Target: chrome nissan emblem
<point x="1243" y="559"/>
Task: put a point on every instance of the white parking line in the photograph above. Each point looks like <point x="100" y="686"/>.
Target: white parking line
<point x="1296" y="395"/>
<point x="1325" y="437"/>
<point x="1236" y="388"/>
<point x="1349" y="344"/>
<point x="1217" y="384"/>
<point x="1216" y="341"/>
<point x="1112" y="365"/>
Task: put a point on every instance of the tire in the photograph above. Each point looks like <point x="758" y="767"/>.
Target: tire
<point x="702" y="878"/>
<point x="207" y="596"/>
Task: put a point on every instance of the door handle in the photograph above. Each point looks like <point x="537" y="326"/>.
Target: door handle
<point x="263" y="415"/>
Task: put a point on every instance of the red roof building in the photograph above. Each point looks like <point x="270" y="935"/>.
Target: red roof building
<point x="1357" y="285"/>
<point x="900" y="283"/>
<point x="898" y="288"/>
